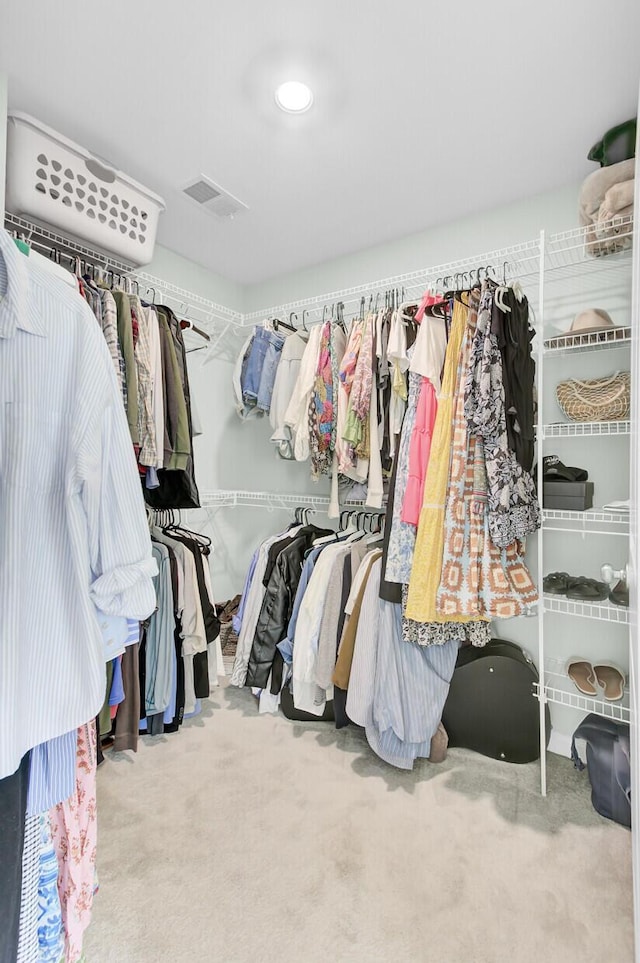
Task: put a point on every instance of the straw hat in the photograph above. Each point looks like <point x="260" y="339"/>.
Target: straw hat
<point x="590" y="321"/>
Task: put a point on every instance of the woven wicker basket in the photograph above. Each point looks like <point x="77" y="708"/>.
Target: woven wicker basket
<point x="600" y="399"/>
<point x="228" y="639"/>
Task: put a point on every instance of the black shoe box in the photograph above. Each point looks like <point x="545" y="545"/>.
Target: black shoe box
<point x="568" y="496"/>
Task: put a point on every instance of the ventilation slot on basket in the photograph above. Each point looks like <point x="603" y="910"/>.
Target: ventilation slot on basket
<point x="74" y="197"/>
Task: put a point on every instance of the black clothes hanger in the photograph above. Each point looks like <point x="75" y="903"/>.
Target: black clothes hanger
<point x="176" y="526"/>
<point x="277" y="323"/>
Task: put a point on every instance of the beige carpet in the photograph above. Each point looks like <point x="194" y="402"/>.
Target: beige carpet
<point x="251" y="839"/>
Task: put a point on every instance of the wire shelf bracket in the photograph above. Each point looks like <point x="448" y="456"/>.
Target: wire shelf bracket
<point x="581" y="429"/>
<point x="577" y="343"/>
<point x="603" y="611"/>
<point x="574" y="700"/>
<point x="272" y="500"/>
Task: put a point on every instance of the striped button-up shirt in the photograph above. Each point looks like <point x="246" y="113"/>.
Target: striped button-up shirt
<point x="73" y="529"/>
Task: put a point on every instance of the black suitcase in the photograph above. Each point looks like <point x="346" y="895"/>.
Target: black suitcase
<point x="491" y="707"/>
<point x="608" y="765"/>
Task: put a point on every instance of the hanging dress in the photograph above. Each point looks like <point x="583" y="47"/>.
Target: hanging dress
<point x="427" y="559"/>
<point x="513" y="508"/>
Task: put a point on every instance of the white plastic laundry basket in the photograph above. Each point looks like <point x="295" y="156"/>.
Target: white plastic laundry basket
<point x="54" y="181"/>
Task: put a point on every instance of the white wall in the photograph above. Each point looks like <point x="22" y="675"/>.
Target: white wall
<point x="500" y="227"/>
<point x="170" y="266"/>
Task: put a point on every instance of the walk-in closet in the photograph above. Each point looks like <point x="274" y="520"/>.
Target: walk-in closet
<point x="319" y="483"/>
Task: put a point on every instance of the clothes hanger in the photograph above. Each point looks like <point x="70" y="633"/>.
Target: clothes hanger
<point x="186" y="323"/>
<point x="277" y="323"/>
<point x="176" y="526"/>
<point x="375" y="531"/>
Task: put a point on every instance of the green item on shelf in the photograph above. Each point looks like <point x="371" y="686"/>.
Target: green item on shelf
<point x="22" y="246"/>
<point x="618" y="144"/>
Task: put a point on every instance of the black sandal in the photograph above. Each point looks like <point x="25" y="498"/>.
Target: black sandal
<point x="557" y="583"/>
<point x="588" y="590"/>
<point x="619" y="594"/>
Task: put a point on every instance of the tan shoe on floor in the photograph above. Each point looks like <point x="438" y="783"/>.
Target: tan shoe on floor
<point x="583" y="676"/>
<point x="439" y="744"/>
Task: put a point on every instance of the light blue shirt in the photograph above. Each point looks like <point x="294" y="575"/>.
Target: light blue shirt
<point x="238" y="617"/>
<point x="73" y="528"/>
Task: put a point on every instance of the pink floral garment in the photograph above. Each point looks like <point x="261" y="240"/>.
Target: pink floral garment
<point x="74" y="828"/>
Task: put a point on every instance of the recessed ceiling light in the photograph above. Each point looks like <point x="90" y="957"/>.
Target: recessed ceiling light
<point x="294" y="97"/>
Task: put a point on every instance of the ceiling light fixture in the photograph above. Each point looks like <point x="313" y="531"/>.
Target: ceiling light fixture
<point x="294" y="97"/>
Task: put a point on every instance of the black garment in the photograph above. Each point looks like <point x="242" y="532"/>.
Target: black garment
<point x="277" y="605"/>
<point x="13" y="808"/>
<point x="347" y="580"/>
<point x="390" y="591"/>
<point x="340" y="708"/>
<point x="178" y="717"/>
<point x="200" y="552"/>
<point x="515" y="335"/>
<point x="210" y="617"/>
<point x="177" y="487"/>
<point x="272" y="557"/>
<point x="142" y="669"/>
<point x="340" y="695"/>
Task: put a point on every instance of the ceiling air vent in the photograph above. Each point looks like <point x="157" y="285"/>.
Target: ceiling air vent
<point x="212" y="198"/>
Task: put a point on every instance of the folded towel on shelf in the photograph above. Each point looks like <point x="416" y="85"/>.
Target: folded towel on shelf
<point x="606" y="203"/>
<point x="622" y="507"/>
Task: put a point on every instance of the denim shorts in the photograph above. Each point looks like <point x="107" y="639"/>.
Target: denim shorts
<point x="255" y="363"/>
<point x="269" y="369"/>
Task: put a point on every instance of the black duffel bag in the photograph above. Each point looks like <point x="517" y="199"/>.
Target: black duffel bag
<point x="608" y="766"/>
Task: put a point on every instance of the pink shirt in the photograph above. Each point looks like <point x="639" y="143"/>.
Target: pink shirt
<point x="419" y="452"/>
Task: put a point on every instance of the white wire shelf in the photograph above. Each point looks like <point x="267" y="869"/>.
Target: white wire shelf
<point x="602" y="611"/>
<point x="66" y="245"/>
<point x="571" y="249"/>
<point x="565" y="253"/>
<point x="558" y="669"/>
<point x="215" y="319"/>
<point x="575" y="700"/>
<point x="578" y="429"/>
<point x="577" y="343"/>
<point x="519" y="261"/>
<point x="272" y="500"/>
<point x="590" y="522"/>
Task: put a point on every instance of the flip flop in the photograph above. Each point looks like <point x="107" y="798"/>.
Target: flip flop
<point x="611" y="678"/>
<point x="588" y="590"/>
<point x="556" y="583"/>
<point x="619" y="594"/>
<point x="583" y="676"/>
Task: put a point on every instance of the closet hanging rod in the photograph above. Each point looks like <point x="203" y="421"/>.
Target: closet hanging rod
<point x="162" y="289"/>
